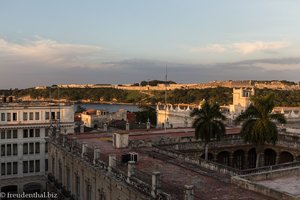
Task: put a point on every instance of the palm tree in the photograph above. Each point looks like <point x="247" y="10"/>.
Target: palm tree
<point x="259" y="125"/>
<point x="208" y="123"/>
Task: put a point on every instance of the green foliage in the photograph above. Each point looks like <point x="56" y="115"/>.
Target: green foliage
<point x="189" y="96"/>
<point x="220" y="95"/>
<point x="208" y="122"/>
<point x="146" y="113"/>
<point x="155" y="82"/>
<point x="258" y="122"/>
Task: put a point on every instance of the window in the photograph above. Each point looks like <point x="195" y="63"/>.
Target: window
<point x="31" y="116"/>
<point x="8" y="150"/>
<point x="89" y="192"/>
<point x="58" y="115"/>
<point x="8" y="116"/>
<point x="15" y="167"/>
<point x="77" y="186"/>
<point x="25" y="148"/>
<point x="15" y="149"/>
<point x="31" y="148"/>
<point x="37" y="132"/>
<point x="3" y="169"/>
<point x="68" y="178"/>
<point x="8" y="134"/>
<point x="46" y="164"/>
<point x="25" y="166"/>
<point x="8" y="168"/>
<point x="52" y="115"/>
<point x="15" y="134"/>
<point x="25" y="116"/>
<point x="2" y="117"/>
<point x="53" y="165"/>
<point x="25" y="133"/>
<point x="2" y="134"/>
<point x="37" y="166"/>
<point x="47" y="115"/>
<point x="15" y="117"/>
<point x="31" y="131"/>
<point x="59" y="171"/>
<point x="46" y="147"/>
<point x="31" y="166"/>
<point x="46" y="132"/>
<point x="37" y="116"/>
<point x="3" y="150"/>
<point x="37" y="147"/>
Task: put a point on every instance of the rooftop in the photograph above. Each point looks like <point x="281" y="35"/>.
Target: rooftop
<point x="174" y="173"/>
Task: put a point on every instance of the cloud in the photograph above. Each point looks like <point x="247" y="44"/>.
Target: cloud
<point x="242" y="47"/>
<point x="47" y="62"/>
<point x="47" y="52"/>
<point x="135" y="70"/>
<point x="251" y="47"/>
<point x="213" y="48"/>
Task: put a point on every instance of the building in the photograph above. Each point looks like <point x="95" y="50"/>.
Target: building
<point x="170" y="117"/>
<point x="93" y="166"/>
<point x="97" y="118"/>
<point x="241" y="100"/>
<point x="24" y="128"/>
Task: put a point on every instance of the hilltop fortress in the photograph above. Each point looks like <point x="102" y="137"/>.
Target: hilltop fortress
<point x="278" y="85"/>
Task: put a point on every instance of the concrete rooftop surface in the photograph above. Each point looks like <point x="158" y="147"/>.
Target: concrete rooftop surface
<point x="174" y="173"/>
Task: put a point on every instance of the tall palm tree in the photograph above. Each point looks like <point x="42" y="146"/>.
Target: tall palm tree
<point x="208" y="123"/>
<point x="259" y="124"/>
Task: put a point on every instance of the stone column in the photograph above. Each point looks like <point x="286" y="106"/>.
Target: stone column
<point x="130" y="169"/>
<point x="155" y="183"/>
<point x="188" y="192"/>
<point x="148" y="124"/>
<point x="81" y="128"/>
<point x="105" y="127"/>
<point x="84" y="147"/>
<point x="96" y="155"/>
<point x="63" y="140"/>
<point x="246" y="160"/>
<point x="112" y="162"/>
<point x="127" y="126"/>
<point x="230" y="159"/>
<point x="277" y="158"/>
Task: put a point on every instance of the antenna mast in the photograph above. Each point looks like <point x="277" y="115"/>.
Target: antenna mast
<point x="166" y="97"/>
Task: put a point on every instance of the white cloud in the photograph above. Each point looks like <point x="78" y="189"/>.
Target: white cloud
<point x="213" y="48"/>
<point x="242" y="47"/>
<point x="251" y="47"/>
<point x="47" y="52"/>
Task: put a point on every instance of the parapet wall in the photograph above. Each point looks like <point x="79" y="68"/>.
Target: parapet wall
<point x="249" y="182"/>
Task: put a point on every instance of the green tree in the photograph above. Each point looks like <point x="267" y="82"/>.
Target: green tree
<point x="259" y="124"/>
<point x="208" y="123"/>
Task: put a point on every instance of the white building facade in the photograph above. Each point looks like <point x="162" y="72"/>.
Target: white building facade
<point x="24" y="128"/>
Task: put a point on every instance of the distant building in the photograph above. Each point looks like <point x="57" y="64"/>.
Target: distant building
<point x="96" y="118"/>
<point x="24" y="128"/>
<point x="241" y="100"/>
<point x="170" y="117"/>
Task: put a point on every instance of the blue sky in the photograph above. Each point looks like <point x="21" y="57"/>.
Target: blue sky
<point x="72" y="41"/>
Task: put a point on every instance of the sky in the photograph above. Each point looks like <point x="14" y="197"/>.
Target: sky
<point x="95" y="41"/>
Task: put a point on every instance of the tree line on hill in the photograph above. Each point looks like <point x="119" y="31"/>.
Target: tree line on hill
<point x="153" y="83"/>
<point x="188" y="96"/>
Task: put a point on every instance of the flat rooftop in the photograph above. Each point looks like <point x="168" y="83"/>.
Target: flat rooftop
<point x="174" y="173"/>
<point x="33" y="104"/>
<point x="288" y="184"/>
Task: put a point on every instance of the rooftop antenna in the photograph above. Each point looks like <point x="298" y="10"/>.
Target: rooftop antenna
<point x="166" y="97"/>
